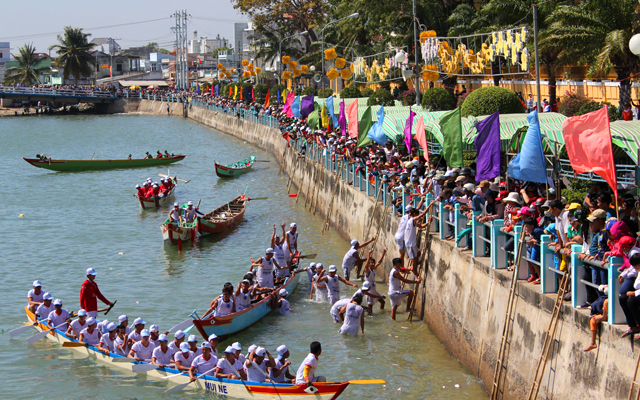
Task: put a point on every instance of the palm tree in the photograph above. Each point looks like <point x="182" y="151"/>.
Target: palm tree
<point x="28" y="69"/>
<point x="600" y="29"/>
<point x="73" y="53"/>
<point x="268" y="45"/>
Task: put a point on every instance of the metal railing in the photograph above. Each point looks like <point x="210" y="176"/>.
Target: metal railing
<point x="55" y="92"/>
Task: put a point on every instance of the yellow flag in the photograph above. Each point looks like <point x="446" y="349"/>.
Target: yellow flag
<point x="235" y="92"/>
<point x="325" y="116"/>
<point x="284" y="96"/>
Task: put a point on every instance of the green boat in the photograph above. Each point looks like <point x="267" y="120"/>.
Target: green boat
<point x="235" y="169"/>
<point x="89" y="165"/>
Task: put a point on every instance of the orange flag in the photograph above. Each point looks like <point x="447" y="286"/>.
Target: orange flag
<point x="352" y="117"/>
<point x="230" y="91"/>
<point x="241" y="90"/>
<point x="587" y="139"/>
<point x="267" y="100"/>
<point x="421" y="137"/>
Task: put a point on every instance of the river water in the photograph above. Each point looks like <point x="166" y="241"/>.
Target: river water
<point x="73" y="221"/>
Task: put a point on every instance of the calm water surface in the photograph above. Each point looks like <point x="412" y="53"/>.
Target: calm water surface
<point x="73" y="221"/>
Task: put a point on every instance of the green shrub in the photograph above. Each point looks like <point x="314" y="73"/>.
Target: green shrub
<point x="614" y="113"/>
<point x="260" y="91"/>
<point x="409" y="97"/>
<point x="366" y="92"/>
<point x="309" y="90"/>
<point x="350" y="92"/>
<point x="381" y="97"/>
<point x="324" y="93"/>
<point x="487" y="100"/>
<point x="438" y="99"/>
<point x="297" y="91"/>
<point x="571" y="103"/>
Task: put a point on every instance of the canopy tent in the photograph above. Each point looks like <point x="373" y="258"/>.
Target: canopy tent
<point x="142" y="83"/>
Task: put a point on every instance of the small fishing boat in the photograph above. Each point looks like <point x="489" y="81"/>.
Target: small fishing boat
<point x="235" y="169"/>
<point x="224" y="387"/>
<point x="176" y="233"/>
<point x="163" y="200"/>
<point x="223" y="217"/>
<point x="89" y="165"/>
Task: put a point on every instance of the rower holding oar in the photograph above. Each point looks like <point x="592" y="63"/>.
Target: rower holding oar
<point x="228" y="367"/>
<point x="108" y="342"/>
<point x="58" y="316"/>
<point x="44" y="309"/>
<point x="162" y="355"/>
<point x="89" y="294"/>
<point x="306" y="371"/>
<point x="292" y="241"/>
<point x="205" y="363"/>
<point x="77" y="325"/>
<point x="35" y="296"/>
<point x="90" y="336"/>
<point x="190" y="212"/>
<point x="257" y="363"/>
<point x="142" y="350"/>
<point x="174" y="214"/>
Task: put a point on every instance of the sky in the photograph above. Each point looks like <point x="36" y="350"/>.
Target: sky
<point x="208" y="17"/>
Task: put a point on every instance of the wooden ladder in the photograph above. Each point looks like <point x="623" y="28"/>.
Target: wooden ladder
<point x="550" y="335"/>
<point x="634" y="382"/>
<point x="325" y="224"/>
<point x="506" y="330"/>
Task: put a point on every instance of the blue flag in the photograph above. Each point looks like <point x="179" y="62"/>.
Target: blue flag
<point x="488" y="147"/>
<point x="529" y="164"/>
<point x="375" y="133"/>
<point x="278" y="96"/>
<point x="295" y="107"/>
<point x="217" y="90"/>
<point x="198" y="88"/>
<point x="334" y="119"/>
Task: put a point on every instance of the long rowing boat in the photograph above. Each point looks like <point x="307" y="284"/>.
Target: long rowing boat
<point x="224" y="387"/>
<point x="235" y="169"/>
<point x="176" y="233"/>
<point x="163" y="200"/>
<point x="232" y="323"/>
<point x="223" y="217"/>
<point x="88" y="165"/>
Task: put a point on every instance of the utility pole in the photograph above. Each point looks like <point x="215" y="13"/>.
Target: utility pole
<point x="535" y="42"/>
<point x="182" y="69"/>
<point x="416" y="48"/>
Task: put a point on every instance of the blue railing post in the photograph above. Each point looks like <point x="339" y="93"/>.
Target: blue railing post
<point x="548" y="281"/>
<point x="479" y="245"/>
<point x="578" y="289"/>
<point x="616" y="315"/>
<point x="498" y="239"/>
<point x="444" y="217"/>
<point x="385" y="192"/>
<point x="460" y="223"/>
<point x="523" y="270"/>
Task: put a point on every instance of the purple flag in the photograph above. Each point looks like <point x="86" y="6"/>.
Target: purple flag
<point x="307" y="105"/>
<point x="488" y="147"/>
<point x="342" y="119"/>
<point x="407" y="130"/>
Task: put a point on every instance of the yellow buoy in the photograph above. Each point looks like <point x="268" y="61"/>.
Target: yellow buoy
<point x="21" y="215"/>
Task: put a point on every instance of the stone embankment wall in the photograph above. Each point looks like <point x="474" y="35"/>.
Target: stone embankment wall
<point x="462" y="300"/>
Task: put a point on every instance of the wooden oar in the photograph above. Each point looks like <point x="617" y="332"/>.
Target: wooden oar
<point x="367" y="382"/>
<point x="40" y="335"/>
<point x="258" y="198"/>
<point x="22" y="329"/>
<point x="183" y="385"/>
<point x="173" y="177"/>
<point x="182" y="325"/>
<point x="173" y="376"/>
<point x="92" y="156"/>
<point x="73" y="344"/>
<point x="143" y="367"/>
<point x="261" y="161"/>
<point x="309" y="256"/>
<point x="110" y="307"/>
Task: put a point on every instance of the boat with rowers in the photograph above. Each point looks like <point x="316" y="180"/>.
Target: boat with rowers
<point x="223" y="217"/>
<point x="220" y="386"/>
<point x="236" y="168"/>
<point x="162" y="200"/>
<point x="176" y="233"/>
<point x="90" y="165"/>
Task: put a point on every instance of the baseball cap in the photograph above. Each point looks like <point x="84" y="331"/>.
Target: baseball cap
<point x="574" y="206"/>
<point x="312" y="265"/>
<point x="47" y="296"/>
<point x="122" y="318"/>
<point x="37" y="283"/>
<point x="91" y="321"/>
<point x="283" y="292"/>
<point x="260" y="352"/>
<point x="293" y="225"/>
<point x="162" y="338"/>
<point x="470" y="187"/>
<point x="139" y="321"/>
<point x="332" y="268"/>
<point x="366" y="285"/>
<point x="229" y="349"/>
<point x="190" y="203"/>
<point x="236" y="346"/>
<point x="82" y="312"/>
<point x="460" y="178"/>
<point x="212" y="336"/>
<point x="145" y="332"/>
<point x="269" y="251"/>
<point x="206" y="345"/>
<point x="354" y="242"/>
<point x="91" y="271"/>
<point x="319" y="265"/>
<point x="192" y="338"/>
<point x="178" y="335"/>
<point x="184" y="347"/>
<point x="599" y="213"/>
<point x="111" y="327"/>
<point x="408" y="208"/>
<point x="176" y="205"/>
<point x="281" y="350"/>
<point x="154" y="328"/>
<point x="252" y="348"/>
<point x="57" y="302"/>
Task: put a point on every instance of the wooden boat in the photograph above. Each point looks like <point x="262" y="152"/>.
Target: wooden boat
<point x="232" y="323"/>
<point x="177" y="233"/>
<point x="223" y="217"/>
<point x="235" y="169"/>
<point x="219" y="386"/>
<point x="162" y="201"/>
<point x="88" y="165"/>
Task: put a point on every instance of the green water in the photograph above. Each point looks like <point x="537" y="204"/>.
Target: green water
<point x="73" y="221"/>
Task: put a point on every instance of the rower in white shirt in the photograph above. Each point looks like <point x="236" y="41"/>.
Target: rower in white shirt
<point x="107" y="342"/>
<point x="229" y="367"/>
<point x="213" y="341"/>
<point x="176" y="342"/>
<point x="307" y="370"/>
<point x="257" y="363"/>
<point x="122" y="341"/>
<point x="265" y="266"/>
<point x="237" y="348"/>
<point x="399" y="236"/>
<point x="162" y="354"/>
<point x="243" y="295"/>
<point x="223" y="304"/>
<point x="77" y="325"/>
<point x="90" y="336"/>
<point x="335" y="310"/>
<point x="353" y="316"/>
<point x="292" y="241"/>
<point x="396" y="293"/>
<point x="280" y="373"/>
<point x="281" y="303"/>
<point x="142" y="350"/>
<point x="154" y="333"/>
<point x="205" y="363"/>
<point x="45" y="308"/>
<point x="183" y="358"/>
<point x="35" y="296"/>
<point x="124" y="321"/>
<point x="138" y="325"/>
<point x="280" y="248"/>
<point x="311" y="271"/>
<point x="332" y="281"/>
<point x="192" y="341"/>
<point x="322" y="293"/>
<point x="58" y="316"/>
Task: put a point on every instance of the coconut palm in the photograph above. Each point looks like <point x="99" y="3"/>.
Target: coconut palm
<point x="28" y="69"/>
<point x="73" y="53"/>
<point x="600" y="29"/>
<point x="268" y="45"/>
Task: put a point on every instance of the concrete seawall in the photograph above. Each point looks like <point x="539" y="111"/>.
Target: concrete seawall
<point x="462" y="299"/>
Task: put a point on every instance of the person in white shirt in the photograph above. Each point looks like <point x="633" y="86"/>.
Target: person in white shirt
<point x="154" y="333"/>
<point x="396" y="293"/>
<point x="411" y="233"/>
<point x="365" y="290"/>
<point x="237" y="348"/>
<point x="292" y="241"/>
<point x="322" y="293"/>
<point x="162" y="355"/>
<point x="352" y="259"/>
<point x="335" y="310"/>
<point x="213" y="341"/>
<point x="35" y="296"/>
<point x="136" y="335"/>
<point x="311" y="271"/>
<point x="307" y="370"/>
<point x="399" y="236"/>
<point x="176" y="342"/>
<point x="183" y="358"/>
<point x="265" y="269"/>
<point x="223" y="304"/>
<point x="353" y="316"/>
<point x="243" y="295"/>
<point x="44" y="309"/>
<point x="77" y="325"/>
<point x="370" y="267"/>
<point x="257" y="363"/>
<point x="281" y="303"/>
<point x="122" y="341"/>
<point x="333" y="284"/>
<point x="205" y="363"/>
<point x="280" y="250"/>
<point x="192" y="341"/>
<point x="229" y="367"/>
<point x="280" y="373"/>
<point x="90" y="336"/>
<point x="124" y="321"/>
<point x="107" y="342"/>
<point x="142" y="350"/>
<point x="58" y="318"/>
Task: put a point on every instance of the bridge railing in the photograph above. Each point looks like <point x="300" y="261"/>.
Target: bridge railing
<point x="54" y="92"/>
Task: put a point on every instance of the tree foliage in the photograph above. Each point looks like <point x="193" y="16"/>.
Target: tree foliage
<point x="28" y="69"/>
<point x="350" y="92"/>
<point x="489" y="99"/>
<point x="73" y="53"/>
<point x="381" y="97"/>
<point x="438" y="99"/>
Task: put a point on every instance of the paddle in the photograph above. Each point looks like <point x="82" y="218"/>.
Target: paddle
<point x="40" y="335"/>
<point x="258" y="198"/>
<point x="367" y="382"/>
<point x="73" y="344"/>
<point x="143" y="367"/>
<point x="22" y="329"/>
<point x="183" y="385"/>
<point x="182" y="325"/>
<point x="309" y="256"/>
<point x="261" y="161"/>
<point x="173" y="177"/>
<point x="173" y="376"/>
<point x="235" y="371"/>
<point x="110" y="307"/>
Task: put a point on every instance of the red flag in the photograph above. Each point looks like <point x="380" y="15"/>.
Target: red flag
<point x="253" y="96"/>
<point x="587" y="139"/>
<point x="230" y="91"/>
<point x="241" y="90"/>
<point x="267" y="100"/>
<point x="421" y="138"/>
<point x="286" y="136"/>
<point x="211" y="90"/>
<point x="352" y="116"/>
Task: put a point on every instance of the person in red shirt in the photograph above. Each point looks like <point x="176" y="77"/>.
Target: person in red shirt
<point x="89" y="295"/>
<point x="627" y="114"/>
<point x="150" y="192"/>
<point x="168" y="183"/>
<point x="163" y="186"/>
<point x="141" y="191"/>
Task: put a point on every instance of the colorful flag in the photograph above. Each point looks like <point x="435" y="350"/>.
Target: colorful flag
<point x="241" y="90"/>
<point x="529" y="164"/>
<point x="235" y="92"/>
<point x="334" y="119"/>
<point x="287" y="105"/>
<point x="352" y="114"/>
<point x="307" y="105"/>
<point x="451" y="127"/>
<point x="313" y="119"/>
<point x="342" y="119"/>
<point x="295" y="107"/>
<point x="587" y="139"/>
<point x="278" y="96"/>
<point x="284" y="95"/>
<point x="216" y="90"/>
<point x="364" y="126"/>
<point x="230" y="91"/>
<point x="375" y="133"/>
<point x="267" y="99"/>
<point x="407" y="130"/>
<point x="421" y="138"/>
<point x="325" y="116"/>
<point x="198" y="88"/>
<point x="253" y="95"/>
<point x="488" y="147"/>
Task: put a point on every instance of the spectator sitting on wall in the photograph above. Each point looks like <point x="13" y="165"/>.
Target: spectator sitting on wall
<point x="599" y="313"/>
<point x="534" y="232"/>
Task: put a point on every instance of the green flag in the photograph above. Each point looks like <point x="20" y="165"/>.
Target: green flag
<point x="365" y="125"/>
<point x="451" y="128"/>
<point x="313" y="119"/>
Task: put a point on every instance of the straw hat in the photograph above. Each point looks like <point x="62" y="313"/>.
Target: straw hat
<point x="513" y="196"/>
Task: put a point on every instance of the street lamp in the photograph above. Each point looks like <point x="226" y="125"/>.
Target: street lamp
<point x="322" y="34"/>
<point x="280" y="49"/>
<point x="634" y="44"/>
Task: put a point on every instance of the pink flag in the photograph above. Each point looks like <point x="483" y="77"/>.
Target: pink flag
<point x="287" y="104"/>
<point x="587" y="139"/>
<point x="421" y="137"/>
<point x="407" y="130"/>
<point x="352" y="116"/>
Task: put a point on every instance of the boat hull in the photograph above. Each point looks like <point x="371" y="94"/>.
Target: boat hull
<point x="224" y="387"/>
<point x="172" y="233"/>
<point x="207" y="226"/>
<point x="92" y="165"/>
<point x="162" y="201"/>
<point x="235" y="169"/>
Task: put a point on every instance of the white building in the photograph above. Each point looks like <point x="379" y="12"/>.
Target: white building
<point x="206" y="45"/>
<point x="5" y="55"/>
